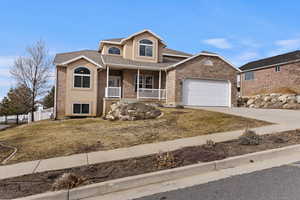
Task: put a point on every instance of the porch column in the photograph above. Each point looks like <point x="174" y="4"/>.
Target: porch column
<point x="159" y="85"/>
<point x="107" y="81"/>
<point x="138" y="84"/>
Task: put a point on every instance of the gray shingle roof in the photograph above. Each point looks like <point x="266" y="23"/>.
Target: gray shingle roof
<point x="107" y="59"/>
<point x="91" y="54"/>
<point x="172" y="51"/>
<point x="287" y="57"/>
<point x="118" y="60"/>
<point x="114" y="39"/>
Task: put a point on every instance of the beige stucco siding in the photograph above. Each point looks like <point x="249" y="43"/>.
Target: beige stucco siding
<point x="81" y="95"/>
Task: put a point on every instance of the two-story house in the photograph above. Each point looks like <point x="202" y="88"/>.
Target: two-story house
<point x="140" y="68"/>
<point x="280" y="73"/>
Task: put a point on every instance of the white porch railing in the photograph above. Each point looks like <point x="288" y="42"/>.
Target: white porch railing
<point x="152" y="93"/>
<point x="114" y="92"/>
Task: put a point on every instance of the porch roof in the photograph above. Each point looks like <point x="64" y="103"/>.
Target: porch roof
<point x="120" y="62"/>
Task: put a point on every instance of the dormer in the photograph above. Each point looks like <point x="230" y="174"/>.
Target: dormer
<point x="143" y="46"/>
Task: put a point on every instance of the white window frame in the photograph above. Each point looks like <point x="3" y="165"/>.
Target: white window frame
<point x="88" y="75"/>
<point x="114" y="53"/>
<point x="252" y="78"/>
<point x="152" y="80"/>
<point x="147" y="45"/>
<point x="143" y="79"/>
<point x="277" y="68"/>
<point x="81" y="109"/>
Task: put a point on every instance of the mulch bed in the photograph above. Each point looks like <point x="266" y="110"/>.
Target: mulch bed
<point x="42" y="182"/>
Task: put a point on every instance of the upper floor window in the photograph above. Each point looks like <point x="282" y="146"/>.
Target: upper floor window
<point x="249" y="75"/>
<point x="82" y="77"/>
<point x="146" y="48"/>
<point x="114" y="50"/>
<point x="277" y="69"/>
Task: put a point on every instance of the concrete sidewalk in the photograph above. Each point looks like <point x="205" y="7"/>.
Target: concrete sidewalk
<point x="145" y="149"/>
<point x="3" y="127"/>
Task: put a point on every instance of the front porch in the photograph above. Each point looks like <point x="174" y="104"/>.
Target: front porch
<point x="123" y="84"/>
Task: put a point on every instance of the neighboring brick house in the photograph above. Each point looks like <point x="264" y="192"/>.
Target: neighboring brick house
<point x="88" y="81"/>
<point x="273" y="74"/>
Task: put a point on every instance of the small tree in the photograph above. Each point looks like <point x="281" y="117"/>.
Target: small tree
<point x="4" y="108"/>
<point x="17" y="101"/>
<point x="48" y="101"/>
<point x="33" y="71"/>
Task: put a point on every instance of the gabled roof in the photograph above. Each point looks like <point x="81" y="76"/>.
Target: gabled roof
<point x="175" y="53"/>
<point x="272" y="61"/>
<point x="89" y="55"/>
<point x="120" y="41"/>
<point x="203" y="53"/>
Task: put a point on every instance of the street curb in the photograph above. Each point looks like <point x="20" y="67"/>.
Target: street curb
<point x="126" y="183"/>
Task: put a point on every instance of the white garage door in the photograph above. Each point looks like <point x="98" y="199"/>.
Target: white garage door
<point x="206" y="92"/>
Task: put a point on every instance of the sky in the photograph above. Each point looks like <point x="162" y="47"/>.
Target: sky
<point x="239" y="30"/>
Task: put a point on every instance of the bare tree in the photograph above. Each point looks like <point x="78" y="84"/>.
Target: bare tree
<point x="33" y="71"/>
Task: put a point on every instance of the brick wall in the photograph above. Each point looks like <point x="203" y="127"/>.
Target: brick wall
<point x="61" y="92"/>
<point x="268" y="80"/>
<point x="195" y="68"/>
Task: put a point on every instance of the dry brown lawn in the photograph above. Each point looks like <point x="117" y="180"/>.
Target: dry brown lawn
<point x="48" y="139"/>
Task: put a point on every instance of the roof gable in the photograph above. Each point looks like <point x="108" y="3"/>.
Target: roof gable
<point x="272" y="61"/>
<point x="89" y="55"/>
<point x="203" y="54"/>
<point x="121" y="41"/>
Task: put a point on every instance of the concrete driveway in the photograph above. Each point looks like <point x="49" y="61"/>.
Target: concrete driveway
<point x="277" y="116"/>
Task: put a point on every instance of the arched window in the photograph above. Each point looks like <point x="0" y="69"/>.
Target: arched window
<point x="208" y="62"/>
<point x="114" y="50"/>
<point x="146" y="47"/>
<point x="82" y="77"/>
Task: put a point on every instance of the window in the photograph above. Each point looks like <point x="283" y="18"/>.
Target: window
<point x="277" y="69"/>
<point x="82" y="77"/>
<point x="249" y="76"/>
<point x="208" y="62"/>
<point x="146" y="48"/>
<point x="114" y="50"/>
<point x="81" y="108"/>
<point x="146" y="81"/>
<point x="149" y="81"/>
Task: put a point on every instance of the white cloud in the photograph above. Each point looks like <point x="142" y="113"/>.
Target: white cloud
<point x="284" y="46"/>
<point x="250" y="43"/>
<point x="221" y="43"/>
<point x="245" y="57"/>
<point x="288" y="44"/>
<point x="7" y="61"/>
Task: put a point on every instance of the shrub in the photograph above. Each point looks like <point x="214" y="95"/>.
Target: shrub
<point x="209" y="144"/>
<point x="178" y="106"/>
<point x="249" y="137"/>
<point x="67" y="181"/>
<point x="166" y="160"/>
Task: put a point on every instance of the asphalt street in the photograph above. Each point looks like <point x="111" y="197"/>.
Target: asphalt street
<point x="280" y="183"/>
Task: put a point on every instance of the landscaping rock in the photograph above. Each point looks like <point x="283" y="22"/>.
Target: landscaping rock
<point x="132" y="111"/>
<point x="273" y="101"/>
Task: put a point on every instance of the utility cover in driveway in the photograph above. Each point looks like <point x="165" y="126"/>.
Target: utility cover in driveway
<point x="198" y="92"/>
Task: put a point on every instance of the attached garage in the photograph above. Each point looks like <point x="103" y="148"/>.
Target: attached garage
<point x="199" y="92"/>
